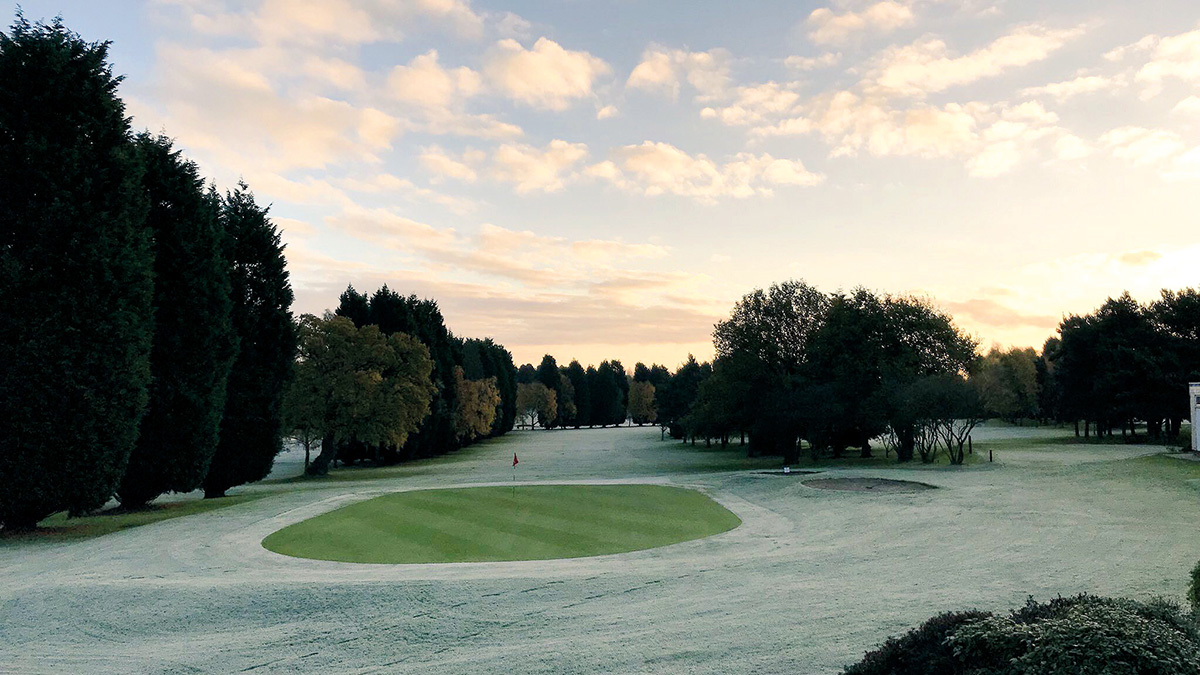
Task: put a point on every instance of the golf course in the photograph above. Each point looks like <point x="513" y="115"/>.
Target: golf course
<point x="809" y="580"/>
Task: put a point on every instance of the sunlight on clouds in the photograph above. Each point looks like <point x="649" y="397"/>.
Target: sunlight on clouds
<point x="547" y="76"/>
<point x="661" y="168"/>
<point x="927" y="66"/>
<point x="827" y="27"/>
<point x="1084" y="84"/>
<point x="663" y="70"/>
<point x="528" y="168"/>
<point x="1142" y="146"/>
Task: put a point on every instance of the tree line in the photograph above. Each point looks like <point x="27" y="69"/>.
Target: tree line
<point x="571" y="396"/>
<point x="382" y="379"/>
<point x="145" y="324"/>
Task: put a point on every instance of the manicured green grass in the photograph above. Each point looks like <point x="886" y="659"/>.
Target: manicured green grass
<point x="59" y="526"/>
<point x="530" y="522"/>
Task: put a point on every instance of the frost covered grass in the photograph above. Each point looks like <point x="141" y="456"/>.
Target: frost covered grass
<point x="59" y="526"/>
<point x="809" y="582"/>
<point x="532" y="522"/>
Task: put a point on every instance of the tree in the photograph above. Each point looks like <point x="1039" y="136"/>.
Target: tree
<point x="478" y="403"/>
<point x="76" y="277"/>
<point x="607" y="406"/>
<point x="641" y="403"/>
<point x="526" y="374"/>
<point x="583" y="394"/>
<point x="548" y="375"/>
<point x="251" y="429"/>
<point x="1008" y="383"/>
<point x="194" y="343"/>
<point x="356" y="385"/>
<point x="536" y="403"/>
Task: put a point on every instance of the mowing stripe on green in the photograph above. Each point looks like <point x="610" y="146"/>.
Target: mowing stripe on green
<point x="532" y="522"/>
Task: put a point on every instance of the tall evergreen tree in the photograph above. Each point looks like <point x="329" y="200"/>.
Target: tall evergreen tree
<point x="194" y="342"/>
<point x="251" y="430"/>
<point x="583" y="394"/>
<point x="547" y="374"/>
<point x="76" y="277"/>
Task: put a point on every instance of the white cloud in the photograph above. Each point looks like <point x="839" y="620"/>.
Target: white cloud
<point x="511" y="25"/>
<point x="1084" y="84"/>
<point x="530" y="169"/>
<point x="438" y="162"/>
<point x="660" y="168"/>
<point x="1070" y="147"/>
<point x="1173" y="57"/>
<point x="825" y="60"/>
<point x="663" y="70"/>
<point x="607" y="112"/>
<point x="927" y="66"/>
<point x="1141" y="145"/>
<point x="547" y="76"/>
<point x="753" y="104"/>
<point x="1189" y="106"/>
<point x="826" y="27"/>
<point x="423" y="82"/>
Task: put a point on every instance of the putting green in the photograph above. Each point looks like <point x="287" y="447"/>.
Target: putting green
<point x="532" y="522"/>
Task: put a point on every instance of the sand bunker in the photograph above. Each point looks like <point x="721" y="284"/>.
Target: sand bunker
<point x="868" y="485"/>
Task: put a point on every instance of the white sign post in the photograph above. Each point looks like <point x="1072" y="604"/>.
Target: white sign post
<point x="1194" y="406"/>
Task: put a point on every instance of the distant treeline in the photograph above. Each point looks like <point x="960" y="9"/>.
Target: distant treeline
<point x="425" y="393"/>
<point x="797" y="368"/>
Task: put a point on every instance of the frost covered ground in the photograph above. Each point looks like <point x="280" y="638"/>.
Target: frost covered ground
<point x="809" y="581"/>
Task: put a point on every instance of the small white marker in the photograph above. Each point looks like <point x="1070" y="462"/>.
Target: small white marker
<point x="787" y="469"/>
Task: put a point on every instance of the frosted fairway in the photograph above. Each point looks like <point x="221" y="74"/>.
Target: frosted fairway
<point x="809" y="581"/>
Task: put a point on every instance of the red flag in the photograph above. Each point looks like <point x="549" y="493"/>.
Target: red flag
<point x="514" y="459"/>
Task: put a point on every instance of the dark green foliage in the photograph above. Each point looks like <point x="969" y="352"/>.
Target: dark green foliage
<point x="577" y="376"/>
<point x="251" y="430"/>
<point x="483" y="359"/>
<point x="548" y="375"/>
<point x="76" y="282"/>
<point x="194" y="343"/>
<point x="1127" y="362"/>
<point x="605" y="390"/>
<point x="1193" y="594"/>
<point x="921" y="651"/>
<point x="1082" y="635"/>
<point x="526" y="374"/>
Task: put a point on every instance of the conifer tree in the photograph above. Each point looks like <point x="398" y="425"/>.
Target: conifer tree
<point x="251" y="430"/>
<point x="194" y="344"/>
<point x="76" y="281"/>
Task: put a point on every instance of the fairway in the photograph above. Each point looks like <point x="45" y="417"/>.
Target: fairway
<point x="534" y="522"/>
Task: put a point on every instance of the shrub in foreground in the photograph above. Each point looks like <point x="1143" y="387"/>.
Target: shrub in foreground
<point x="1082" y="635"/>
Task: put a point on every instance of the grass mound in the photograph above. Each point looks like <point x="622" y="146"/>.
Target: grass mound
<point x="533" y="522"/>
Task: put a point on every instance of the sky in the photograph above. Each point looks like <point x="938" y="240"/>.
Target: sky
<point x="605" y="179"/>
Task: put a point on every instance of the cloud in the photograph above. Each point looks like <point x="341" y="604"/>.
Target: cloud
<point x="221" y="106"/>
<point x="992" y="139"/>
<point x="1173" y="57"/>
<point x="1139" y="258"/>
<point x="826" y="27"/>
<point x="663" y="70"/>
<point x="927" y="65"/>
<point x="1084" y="84"/>
<point x="607" y="112"/>
<point x="1141" y="145"/>
<point x="660" y="168"/>
<point x="325" y="22"/>
<point x="1070" y="148"/>
<point x="547" y="76"/>
<point x="754" y="104"/>
<point x="529" y="169"/>
<point x="804" y="63"/>
<point x="988" y="312"/>
<point x="1189" y="106"/>
<point x="438" y="162"/>
<point x="424" y="83"/>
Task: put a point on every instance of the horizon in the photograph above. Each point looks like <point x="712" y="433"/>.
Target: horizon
<point x="605" y="181"/>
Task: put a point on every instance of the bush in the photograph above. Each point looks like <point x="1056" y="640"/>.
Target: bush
<point x="1079" y="636"/>
<point x="923" y="651"/>
<point x="1194" y="590"/>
